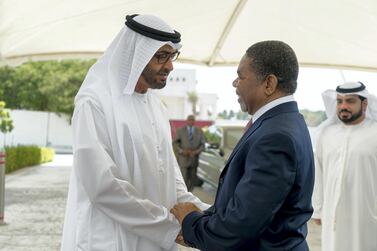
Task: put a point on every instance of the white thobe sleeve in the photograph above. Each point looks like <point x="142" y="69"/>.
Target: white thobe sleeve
<point x="182" y="194"/>
<point x="116" y="198"/>
<point x="317" y="198"/>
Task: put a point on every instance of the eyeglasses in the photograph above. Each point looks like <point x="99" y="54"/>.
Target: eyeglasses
<point x="163" y="57"/>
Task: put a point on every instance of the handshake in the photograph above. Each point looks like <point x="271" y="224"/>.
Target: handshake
<point x="180" y="211"/>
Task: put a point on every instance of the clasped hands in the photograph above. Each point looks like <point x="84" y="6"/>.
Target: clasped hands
<point x="180" y="211"/>
<point x="189" y="153"/>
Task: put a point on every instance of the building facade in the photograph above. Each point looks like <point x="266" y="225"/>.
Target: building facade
<point x="180" y="86"/>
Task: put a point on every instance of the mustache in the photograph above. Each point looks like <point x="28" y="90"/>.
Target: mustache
<point x="345" y="110"/>
<point x="164" y="71"/>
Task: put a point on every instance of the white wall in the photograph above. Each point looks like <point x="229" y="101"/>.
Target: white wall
<point x="207" y="104"/>
<point x="175" y="106"/>
<point x="39" y="128"/>
<point x="175" y="96"/>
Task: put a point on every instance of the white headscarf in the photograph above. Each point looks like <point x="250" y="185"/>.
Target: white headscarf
<point x="110" y="85"/>
<point x="124" y="60"/>
<point x="329" y="100"/>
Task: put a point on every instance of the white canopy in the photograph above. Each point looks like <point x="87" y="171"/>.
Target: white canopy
<point x="324" y="33"/>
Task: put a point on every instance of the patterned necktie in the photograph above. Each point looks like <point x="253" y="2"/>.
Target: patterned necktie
<point x="249" y="124"/>
<point x="190" y="134"/>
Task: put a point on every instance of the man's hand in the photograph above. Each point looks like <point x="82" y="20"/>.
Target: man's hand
<point x="180" y="239"/>
<point x="181" y="210"/>
<point x="186" y="152"/>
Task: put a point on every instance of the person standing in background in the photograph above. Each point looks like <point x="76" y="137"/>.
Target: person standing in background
<point x="345" y="191"/>
<point x="190" y="143"/>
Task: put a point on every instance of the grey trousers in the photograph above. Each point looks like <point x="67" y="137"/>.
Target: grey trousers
<point x="189" y="175"/>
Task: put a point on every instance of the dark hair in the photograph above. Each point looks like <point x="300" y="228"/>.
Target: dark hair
<point x="278" y="58"/>
<point x="362" y="98"/>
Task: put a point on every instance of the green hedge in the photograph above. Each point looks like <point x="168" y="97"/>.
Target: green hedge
<point x="23" y="156"/>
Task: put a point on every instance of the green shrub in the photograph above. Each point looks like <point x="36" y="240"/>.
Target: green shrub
<point x="23" y="156"/>
<point x="47" y="154"/>
<point x="212" y="137"/>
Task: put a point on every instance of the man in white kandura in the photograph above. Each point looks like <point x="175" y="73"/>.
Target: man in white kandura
<point x="345" y="193"/>
<point x="125" y="178"/>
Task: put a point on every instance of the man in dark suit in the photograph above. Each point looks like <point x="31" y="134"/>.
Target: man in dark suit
<point x="263" y="200"/>
<point x="190" y="143"/>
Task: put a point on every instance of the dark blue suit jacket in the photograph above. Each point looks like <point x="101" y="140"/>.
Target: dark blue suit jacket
<point x="264" y="196"/>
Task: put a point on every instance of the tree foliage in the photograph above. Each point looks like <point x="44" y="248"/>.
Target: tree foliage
<point x="52" y="85"/>
<point x="193" y="99"/>
<point x="312" y="118"/>
<point x="6" y="122"/>
<point x="43" y="86"/>
<point x="239" y="115"/>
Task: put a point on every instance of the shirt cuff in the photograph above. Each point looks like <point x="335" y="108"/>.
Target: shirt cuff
<point x="317" y="214"/>
<point x="170" y="238"/>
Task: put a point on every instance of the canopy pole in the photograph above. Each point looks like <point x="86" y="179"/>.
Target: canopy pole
<point x="342" y="75"/>
<point x="228" y="27"/>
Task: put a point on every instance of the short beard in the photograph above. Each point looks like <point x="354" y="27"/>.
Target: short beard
<point x="354" y="117"/>
<point x="149" y="76"/>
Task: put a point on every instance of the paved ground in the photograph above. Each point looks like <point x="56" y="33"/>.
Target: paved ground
<point x="35" y="200"/>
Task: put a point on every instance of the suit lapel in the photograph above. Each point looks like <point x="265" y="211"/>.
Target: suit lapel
<point x="285" y="107"/>
<point x="243" y="139"/>
<point x="186" y="132"/>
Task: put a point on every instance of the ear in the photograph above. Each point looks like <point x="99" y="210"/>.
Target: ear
<point x="364" y="105"/>
<point x="271" y="84"/>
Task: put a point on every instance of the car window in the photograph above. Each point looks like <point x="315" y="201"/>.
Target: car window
<point x="224" y="137"/>
<point x="213" y="135"/>
<point x="232" y="136"/>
